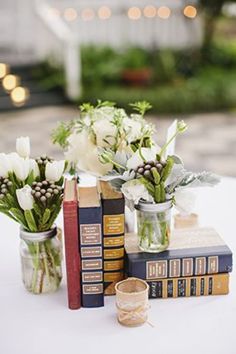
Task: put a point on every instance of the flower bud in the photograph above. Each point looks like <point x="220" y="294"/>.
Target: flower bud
<point x="23" y="146"/>
<point x="25" y="198"/>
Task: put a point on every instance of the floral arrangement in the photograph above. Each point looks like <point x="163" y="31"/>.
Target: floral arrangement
<point x="31" y="194"/>
<point x="120" y="148"/>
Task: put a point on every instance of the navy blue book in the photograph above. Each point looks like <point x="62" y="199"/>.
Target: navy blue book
<point x="91" y="250"/>
<point x="192" y="252"/>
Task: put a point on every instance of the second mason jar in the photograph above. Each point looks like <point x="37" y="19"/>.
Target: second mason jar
<point x="153" y="225"/>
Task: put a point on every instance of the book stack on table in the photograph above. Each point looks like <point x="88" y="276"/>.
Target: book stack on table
<point x="98" y="255"/>
<point x="196" y="263"/>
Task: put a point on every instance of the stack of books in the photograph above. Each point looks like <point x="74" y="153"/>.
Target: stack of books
<point x="94" y="242"/>
<point x="196" y="263"/>
<point x="98" y="255"/>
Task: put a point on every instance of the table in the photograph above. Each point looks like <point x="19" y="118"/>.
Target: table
<point x="31" y="324"/>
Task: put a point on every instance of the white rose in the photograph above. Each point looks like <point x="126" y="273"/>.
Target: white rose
<point x="25" y="198"/>
<point x="93" y="164"/>
<point x="20" y="166"/>
<point x="5" y="165"/>
<point x="184" y="200"/>
<point x="133" y="191"/>
<point x="54" y="170"/>
<point x="23" y="146"/>
<point x="105" y="132"/>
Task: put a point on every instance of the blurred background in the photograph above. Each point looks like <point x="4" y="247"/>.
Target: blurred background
<point x="178" y="55"/>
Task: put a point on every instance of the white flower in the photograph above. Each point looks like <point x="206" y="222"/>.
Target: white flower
<point x="23" y="146"/>
<point x="133" y="127"/>
<point x="133" y="191"/>
<point x="54" y="170"/>
<point x="20" y="166"/>
<point x="25" y="198"/>
<point x="5" y="165"/>
<point x="184" y="200"/>
<point x="105" y="132"/>
<point x="148" y="154"/>
<point x="34" y="167"/>
<point x="84" y="154"/>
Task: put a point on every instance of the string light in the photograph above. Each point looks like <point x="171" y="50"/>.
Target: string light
<point x="19" y="95"/>
<point x="149" y="11"/>
<point x="70" y="14"/>
<point x="163" y="12"/>
<point x="104" y="13"/>
<point x="87" y="14"/>
<point x="3" y="70"/>
<point x="134" y="13"/>
<point x="10" y="82"/>
<point x="190" y="11"/>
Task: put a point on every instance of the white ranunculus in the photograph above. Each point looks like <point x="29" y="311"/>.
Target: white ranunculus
<point x="5" y="165"/>
<point x="23" y="146"/>
<point x="34" y="167"/>
<point x="93" y="165"/>
<point x="25" y="198"/>
<point x="105" y="132"/>
<point x="184" y="200"/>
<point x="20" y="166"/>
<point x="133" y="191"/>
<point x="54" y="170"/>
<point x="148" y="154"/>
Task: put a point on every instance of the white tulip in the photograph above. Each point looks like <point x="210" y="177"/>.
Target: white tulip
<point x="20" y="166"/>
<point x="23" y="146"/>
<point x="25" y="198"/>
<point x="34" y="167"/>
<point x="5" y="165"/>
<point x="54" y="170"/>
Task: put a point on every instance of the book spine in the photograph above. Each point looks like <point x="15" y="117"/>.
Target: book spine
<point x="113" y="243"/>
<point x="217" y="284"/>
<point x="72" y="254"/>
<point x="90" y="226"/>
<point x="179" y="267"/>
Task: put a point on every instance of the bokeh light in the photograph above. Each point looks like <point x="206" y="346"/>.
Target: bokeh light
<point x="149" y="11"/>
<point x="134" y="13"/>
<point x="104" y="12"/>
<point x="3" y="70"/>
<point x="190" y="11"/>
<point x="87" y="14"/>
<point x="163" y="12"/>
<point x="19" y="95"/>
<point x="70" y="14"/>
<point x="10" y="82"/>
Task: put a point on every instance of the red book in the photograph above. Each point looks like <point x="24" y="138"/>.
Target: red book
<point x="70" y="211"/>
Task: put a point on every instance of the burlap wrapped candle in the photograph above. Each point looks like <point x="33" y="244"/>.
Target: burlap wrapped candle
<point x="132" y="301"/>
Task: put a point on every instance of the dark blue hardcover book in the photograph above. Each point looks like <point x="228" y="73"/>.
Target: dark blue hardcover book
<point x="91" y="250"/>
<point x="191" y="252"/>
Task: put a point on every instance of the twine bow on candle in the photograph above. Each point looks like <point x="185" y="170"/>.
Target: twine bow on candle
<point x="137" y="313"/>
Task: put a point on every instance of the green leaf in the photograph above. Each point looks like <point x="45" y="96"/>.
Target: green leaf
<point x="30" y="178"/>
<point x="46" y="216"/>
<point x="11" y="200"/>
<point x="141" y="107"/>
<point x="19" y="215"/>
<point x="37" y="210"/>
<point x="30" y="220"/>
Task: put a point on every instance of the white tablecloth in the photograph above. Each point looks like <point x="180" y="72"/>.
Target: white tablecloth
<point x="31" y="324"/>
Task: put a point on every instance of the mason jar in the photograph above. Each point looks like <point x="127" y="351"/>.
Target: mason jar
<point x="153" y="221"/>
<point x="41" y="256"/>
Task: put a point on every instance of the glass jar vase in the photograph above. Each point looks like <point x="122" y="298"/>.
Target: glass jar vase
<point x="41" y="260"/>
<point x="153" y="226"/>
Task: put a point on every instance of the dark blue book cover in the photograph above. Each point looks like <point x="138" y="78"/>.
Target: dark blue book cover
<point x="191" y="252"/>
<point x="91" y="250"/>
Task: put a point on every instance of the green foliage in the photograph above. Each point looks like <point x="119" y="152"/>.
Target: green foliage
<point x="135" y="58"/>
<point x="61" y="133"/>
<point x="141" y="107"/>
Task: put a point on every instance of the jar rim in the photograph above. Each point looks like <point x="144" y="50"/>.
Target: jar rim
<point x="37" y="236"/>
<point x="153" y="207"/>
